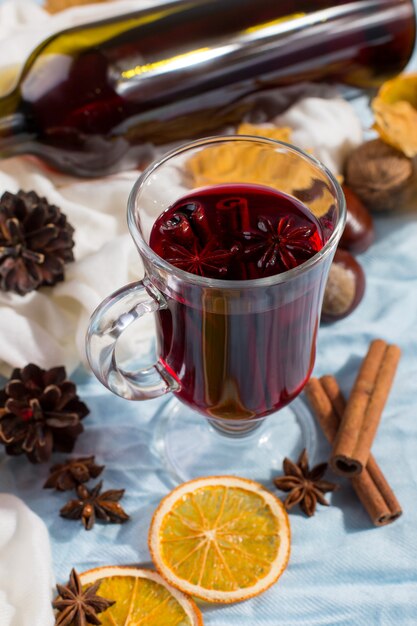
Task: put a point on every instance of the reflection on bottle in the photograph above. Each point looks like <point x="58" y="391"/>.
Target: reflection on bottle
<point x="95" y="98"/>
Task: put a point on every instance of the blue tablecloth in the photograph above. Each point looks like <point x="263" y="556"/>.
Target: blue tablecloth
<point x="342" y="571"/>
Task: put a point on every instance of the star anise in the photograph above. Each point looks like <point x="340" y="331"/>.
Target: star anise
<point x="35" y="242"/>
<point x="208" y="260"/>
<point x="73" y="472"/>
<point x="91" y="504"/>
<point x="40" y="412"/>
<point x="280" y="247"/>
<point x="306" y="486"/>
<point x="77" y="606"/>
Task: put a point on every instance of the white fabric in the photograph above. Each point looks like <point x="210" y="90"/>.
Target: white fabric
<point x="330" y="127"/>
<point x="16" y="15"/>
<point x="26" y="576"/>
<point x="48" y="326"/>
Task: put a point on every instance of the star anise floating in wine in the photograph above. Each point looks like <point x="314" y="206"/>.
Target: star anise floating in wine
<point x="40" y="412"/>
<point x="92" y="504"/>
<point x="74" y="472"/>
<point x="306" y="487"/>
<point x="205" y="260"/>
<point x="35" y="242"/>
<point x="280" y="247"/>
<point x="77" y="606"/>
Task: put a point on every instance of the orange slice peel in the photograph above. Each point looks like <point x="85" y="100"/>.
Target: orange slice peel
<point x="221" y="539"/>
<point x="142" y="597"/>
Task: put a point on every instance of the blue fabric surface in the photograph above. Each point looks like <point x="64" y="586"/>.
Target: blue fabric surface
<point x="342" y="571"/>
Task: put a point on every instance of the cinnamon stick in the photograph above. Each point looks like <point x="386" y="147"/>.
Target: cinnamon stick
<point x="352" y="445"/>
<point x="371" y="486"/>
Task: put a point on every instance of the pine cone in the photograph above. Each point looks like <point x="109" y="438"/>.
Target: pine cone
<point x="35" y="242"/>
<point x="40" y="412"/>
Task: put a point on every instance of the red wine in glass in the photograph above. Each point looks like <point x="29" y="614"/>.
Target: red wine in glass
<point x="246" y="364"/>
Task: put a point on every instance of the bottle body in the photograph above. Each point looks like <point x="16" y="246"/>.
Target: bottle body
<point x="93" y="99"/>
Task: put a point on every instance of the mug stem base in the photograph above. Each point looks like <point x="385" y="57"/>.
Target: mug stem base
<point x="191" y="446"/>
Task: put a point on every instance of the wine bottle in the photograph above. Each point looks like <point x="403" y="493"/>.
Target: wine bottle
<point x="92" y="99"/>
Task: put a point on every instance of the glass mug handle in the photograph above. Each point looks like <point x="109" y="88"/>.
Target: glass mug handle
<point x="108" y="322"/>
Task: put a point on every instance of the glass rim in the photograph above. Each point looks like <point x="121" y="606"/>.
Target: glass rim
<point x="222" y="283"/>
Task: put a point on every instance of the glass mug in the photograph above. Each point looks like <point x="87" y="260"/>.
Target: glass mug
<point x="232" y="351"/>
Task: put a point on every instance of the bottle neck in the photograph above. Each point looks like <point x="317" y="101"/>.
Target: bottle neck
<point x="13" y="132"/>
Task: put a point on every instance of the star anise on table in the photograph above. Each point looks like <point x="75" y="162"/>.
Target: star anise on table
<point x="92" y="504"/>
<point x="77" y="606"/>
<point x="40" y="412"/>
<point x="281" y="246"/>
<point x="65" y="476"/>
<point x="306" y="487"/>
<point x="203" y="260"/>
<point x="35" y="242"/>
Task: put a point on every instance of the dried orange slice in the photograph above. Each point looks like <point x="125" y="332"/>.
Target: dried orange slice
<point x="142" y="597"/>
<point x="220" y="538"/>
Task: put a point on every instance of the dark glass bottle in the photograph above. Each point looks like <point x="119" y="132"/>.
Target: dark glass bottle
<point x="93" y="98"/>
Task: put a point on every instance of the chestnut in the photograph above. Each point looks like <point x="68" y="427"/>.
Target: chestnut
<point x="359" y="229"/>
<point x="345" y="287"/>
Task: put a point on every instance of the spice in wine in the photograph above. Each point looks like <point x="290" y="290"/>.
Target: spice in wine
<point x="234" y="361"/>
<point x="236" y="232"/>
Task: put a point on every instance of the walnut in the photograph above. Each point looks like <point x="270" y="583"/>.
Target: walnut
<point x="380" y="175"/>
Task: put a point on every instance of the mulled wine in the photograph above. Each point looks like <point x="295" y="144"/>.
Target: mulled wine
<point x="238" y="364"/>
<point x="235" y="275"/>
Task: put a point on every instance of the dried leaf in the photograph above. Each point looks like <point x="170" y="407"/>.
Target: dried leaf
<point x="279" y="133"/>
<point x="395" y="111"/>
<point x="255" y="163"/>
<point x="53" y="6"/>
